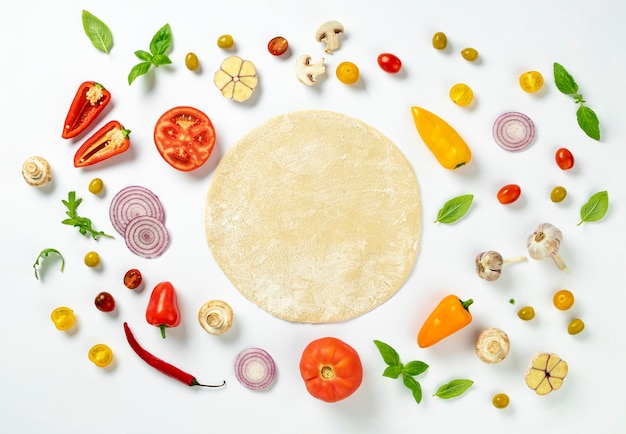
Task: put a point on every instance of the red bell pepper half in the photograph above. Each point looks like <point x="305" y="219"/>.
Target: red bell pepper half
<point x="162" y="310"/>
<point x="90" y="100"/>
<point x="110" y="140"/>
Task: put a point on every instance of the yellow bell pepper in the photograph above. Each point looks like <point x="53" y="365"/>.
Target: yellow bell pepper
<point x="444" y="142"/>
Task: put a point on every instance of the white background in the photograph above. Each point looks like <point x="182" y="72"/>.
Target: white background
<point x="47" y="382"/>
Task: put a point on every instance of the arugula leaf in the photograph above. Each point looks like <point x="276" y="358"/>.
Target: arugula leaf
<point x="595" y="208"/>
<point x="160" y="43"/>
<point x="83" y="224"/>
<point x="454" y="209"/>
<point x="453" y="389"/>
<point x="587" y="119"/>
<point x="44" y="253"/>
<point x="98" y="32"/>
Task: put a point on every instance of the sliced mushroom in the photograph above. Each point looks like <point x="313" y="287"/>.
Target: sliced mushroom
<point x="215" y="317"/>
<point x="492" y="345"/>
<point x="307" y="71"/>
<point x="36" y="171"/>
<point x="329" y="34"/>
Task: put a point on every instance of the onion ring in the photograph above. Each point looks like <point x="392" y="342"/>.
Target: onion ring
<point x="146" y="236"/>
<point x="131" y="202"/>
<point x="513" y="131"/>
<point x="255" y="368"/>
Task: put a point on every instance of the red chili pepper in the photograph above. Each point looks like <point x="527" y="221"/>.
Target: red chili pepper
<point x="90" y="100"/>
<point x="162" y="366"/>
<point x="162" y="310"/>
<point x="110" y="140"/>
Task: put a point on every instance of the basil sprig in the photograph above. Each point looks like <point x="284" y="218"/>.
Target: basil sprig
<point x="453" y="389"/>
<point x="454" y="209"/>
<point x="395" y="369"/>
<point x="98" y="33"/>
<point x="595" y="208"/>
<point x="587" y="118"/>
<point x="161" y="42"/>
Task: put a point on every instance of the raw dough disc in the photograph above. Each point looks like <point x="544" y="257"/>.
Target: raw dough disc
<point x="314" y="216"/>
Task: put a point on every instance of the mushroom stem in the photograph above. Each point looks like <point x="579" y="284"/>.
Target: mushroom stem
<point x="559" y="262"/>
<point x="512" y="260"/>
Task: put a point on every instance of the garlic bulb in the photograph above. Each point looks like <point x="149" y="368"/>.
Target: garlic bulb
<point x="215" y="317"/>
<point x="489" y="264"/>
<point x="544" y="242"/>
<point x="492" y="345"/>
<point x="36" y="171"/>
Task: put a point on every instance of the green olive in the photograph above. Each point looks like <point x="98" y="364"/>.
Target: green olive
<point x="191" y="61"/>
<point x="96" y="185"/>
<point x="225" y="41"/>
<point x="440" y="41"/>
<point x="469" y="54"/>
<point x="526" y="313"/>
<point x="558" y="193"/>
<point x="575" y="326"/>
<point x="500" y="400"/>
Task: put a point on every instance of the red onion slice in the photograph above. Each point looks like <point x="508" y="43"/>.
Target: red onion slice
<point x="255" y="368"/>
<point x="146" y="236"/>
<point x="132" y="202"/>
<point x="513" y="131"/>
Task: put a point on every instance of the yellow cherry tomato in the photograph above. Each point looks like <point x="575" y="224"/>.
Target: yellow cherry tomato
<point x="563" y="299"/>
<point x="347" y="73"/>
<point x="191" y="61"/>
<point x="63" y="318"/>
<point x="101" y="355"/>
<point x="531" y="81"/>
<point x="96" y="185"/>
<point x="225" y="41"/>
<point x="461" y="94"/>
<point x="92" y="259"/>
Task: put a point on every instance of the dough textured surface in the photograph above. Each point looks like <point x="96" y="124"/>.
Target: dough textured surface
<point x="314" y="216"/>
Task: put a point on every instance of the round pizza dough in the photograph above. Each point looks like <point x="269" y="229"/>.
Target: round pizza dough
<point x="314" y="216"/>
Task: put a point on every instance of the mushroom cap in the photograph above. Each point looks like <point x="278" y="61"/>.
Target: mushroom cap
<point x="215" y="317"/>
<point x="36" y="171"/>
<point x="492" y="345"/>
<point x="332" y="26"/>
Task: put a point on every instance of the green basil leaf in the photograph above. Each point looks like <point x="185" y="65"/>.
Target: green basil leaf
<point x="390" y="356"/>
<point x="414" y="386"/>
<point x="415" y="367"/>
<point x="98" y="32"/>
<point x="595" y="208"/>
<point x="143" y="55"/>
<point x="161" y="40"/>
<point x="588" y="122"/>
<point x="454" y="209"/>
<point x="138" y="69"/>
<point x="393" y="371"/>
<point x="453" y="389"/>
<point x="161" y="59"/>
<point x="564" y="81"/>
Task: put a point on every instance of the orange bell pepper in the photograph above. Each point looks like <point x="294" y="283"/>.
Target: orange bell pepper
<point x="450" y="316"/>
<point x="444" y="142"/>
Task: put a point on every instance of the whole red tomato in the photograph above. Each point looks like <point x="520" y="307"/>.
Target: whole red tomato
<point x="331" y="369"/>
<point x="509" y="194"/>
<point x="564" y="158"/>
<point x="389" y="63"/>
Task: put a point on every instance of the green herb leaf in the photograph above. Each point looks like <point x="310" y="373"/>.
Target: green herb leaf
<point x="44" y="253"/>
<point x="143" y="55"/>
<point x="390" y="356"/>
<point x="161" y="40"/>
<point x="415" y="368"/>
<point x="588" y="122"/>
<point x="82" y="223"/>
<point x="393" y="371"/>
<point x="161" y="59"/>
<point x="138" y="69"/>
<point x="595" y="208"/>
<point x="414" y="386"/>
<point x="454" y="209"/>
<point x="453" y="389"/>
<point x="98" y="32"/>
<point x="564" y="81"/>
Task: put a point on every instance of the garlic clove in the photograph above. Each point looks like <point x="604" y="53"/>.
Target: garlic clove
<point x="36" y="171"/>
<point x="215" y="317"/>
<point x="492" y="345"/>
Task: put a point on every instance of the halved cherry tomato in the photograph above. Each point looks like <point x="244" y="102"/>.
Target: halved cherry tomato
<point x="185" y="137"/>
<point x="90" y="100"/>
<point x="509" y="194"/>
<point x="111" y="139"/>
<point x="564" y="158"/>
<point x="331" y="369"/>
<point x="389" y="63"/>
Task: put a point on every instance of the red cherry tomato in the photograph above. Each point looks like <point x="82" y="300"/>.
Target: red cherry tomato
<point x="185" y="137"/>
<point x="564" y="158"/>
<point x="389" y="63"/>
<point x="105" y="302"/>
<point x="509" y="194"/>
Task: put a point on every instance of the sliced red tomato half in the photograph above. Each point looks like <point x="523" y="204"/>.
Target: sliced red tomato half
<point x="185" y="137"/>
